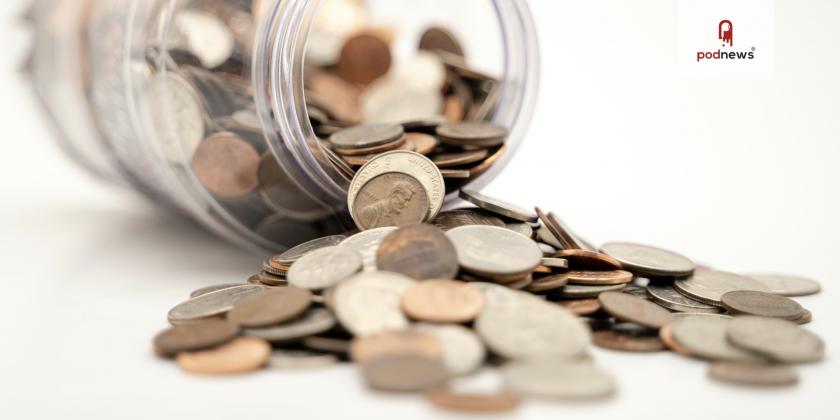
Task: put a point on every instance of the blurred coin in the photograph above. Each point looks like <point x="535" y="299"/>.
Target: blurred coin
<point x="787" y="285"/>
<point x="777" y="339"/>
<point x="455" y="173"/>
<point x="213" y="288"/>
<point x="211" y="304"/>
<point x="455" y="218"/>
<point x="666" y="296"/>
<point x="463" y="351"/>
<point x="205" y="35"/>
<point x="367" y="244"/>
<point x="498" y="206"/>
<point x="366" y="136"/>
<point x="708" y="286"/>
<point x="494" y="251"/>
<point x="645" y="260"/>
<point x="324" y="267"/>
<point x="472" y="133"/>
<point x="441" y="39"/>
<point x="365" y="348"/>
<point x="587" y="291"/>
<point x="270" y="307"/>
<point x="300" y="359"/>
<point x="283" y="195"/>
<point x="550" y="282"/>
<point x="327" y="344"/>
<point x="748" y="302"/>
<point x="667" y="337"/>
<point x="581" y="259"/>
<point x="404" y="373"/>
<point x="287" y="258"/>
<point x="600" y="278"/>
<point x="418" y="251"/>
<point x="370" y="302"/>
<point x="444" y="397"/>
<point x="753" y="374"/>
<point x="558" y="379"/>
<point x="390" y="100"/>
<point x="423" y="143"/>
<point x="226" y="165"/>
<point x="314" y="321"/>
<point x="444" y="301"/>
<point x="364" y="58"/>
<point x="243" y="354"/>
<point x="523" y="229"/>
<point x="581" y="307"/>
<point x="704" y="336"/>
<point x="450" y="159"/>
<point x="623" y="341"/>
<point x="805" y="318"/>
<point x="630" y="308"/>
<point x="194" y="336"/>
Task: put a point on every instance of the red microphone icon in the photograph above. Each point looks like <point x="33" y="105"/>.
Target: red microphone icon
<point x="725" y="32"/>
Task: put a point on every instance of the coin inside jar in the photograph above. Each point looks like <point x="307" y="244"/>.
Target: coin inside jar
<point x="442" y="301"/>
<point x="364" y="58"/>
<point x="226" y="165"/>
<point x="419" y="251"/>
<point x="391" y="199"/>
<point x="472" y="133"/>
<point x="366" y="136"/>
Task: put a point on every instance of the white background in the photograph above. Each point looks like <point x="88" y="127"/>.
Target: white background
<point x="739" y="174"/>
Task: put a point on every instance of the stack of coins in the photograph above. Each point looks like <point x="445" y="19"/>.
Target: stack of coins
<point x="422" y="300"/>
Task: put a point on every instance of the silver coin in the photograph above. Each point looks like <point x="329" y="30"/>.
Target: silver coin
<point x="708" y="286"/>
<point x="666" y="296"/>
<point x="499" y="207"/>
<point x="636" y="290"/>
<point x="558" y="379"/>
<point x="389" y="100"/>
<point x="413" y="164"/>
<point x="206" y="36"/>
<point x="292" y="255"/>
<point x="213" y="288"/>
<point x="177" y="115"/>
<point x="451" y="219"/>
<point x="367" y="135"/>
<point x="645" y="260"/>
<point x="780" y="340"/>
<point x="555" y="262"/>
<point x="211" y="304"/>
<point x="585" y="291"/>
<point x="300" y="359"/>
<point x="314" y="321"/>
<point x="523" y="229"/>
<point x="463" y="351"/>
<point x="367" y="244"/>
<point x="368" y="303"/>
<point x="494" y="251"/>
<point x="520" y="325"/>
<point x="705" y="336"/>
<point x="324" y="268"/>
<point x="787" y="285"/>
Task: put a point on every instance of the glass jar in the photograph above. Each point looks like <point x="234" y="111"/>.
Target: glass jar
<point x="137" y="88"/>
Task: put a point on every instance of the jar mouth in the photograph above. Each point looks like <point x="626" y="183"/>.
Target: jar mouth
<point x="278" y="74"/>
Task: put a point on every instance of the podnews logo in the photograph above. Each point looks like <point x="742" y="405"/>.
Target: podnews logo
<point x="725" y="34"/>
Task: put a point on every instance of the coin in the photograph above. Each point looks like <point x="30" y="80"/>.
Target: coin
<point x="805" y="318"/>
<point x="243" y="354"/>
<point x="444" y="397"/>
<point x="494" y="251"/>
<point x="368" y="153"/>
<point x="455" y="173"/>
<point x="630" y="308"/>
<point x="708" y="286"/>
<point x="645" y="260"/>
<point x="412" y="164"/>
<point x="366" y="136"/>
<point x="559" y="232"/>
<point x="437" y="38"/>
<point x="195" y="336"/>
<point x="666" y="296"/>
<point x="268" y="279"/>
<point x="777" y="339"/>
<point x="463" y="351"/>
<point x="211" y="304"/>
<point x="366" y="348"/>
<point x="581" y="259"/>
<point x="270" y="307"/>
<point x="600" y="278"/>
<point x="404" y="373"/>
<point x="364" y="58"/>
<point x="705" y="335"/>
<point x="550" y="282"/>
<point x="418" y="251"/>
<point x="300" y="359"/>
<point x="226" y="165"/>
<point x="753" y="374"/>
<point x="523" y="229"/>
<point x="748" y="302"/>
<point x="472" y="133"/>
<point x="581" y="307"/>
<point x="324" y="268"/>
<point x="423" y="143"/>
<point x="558" y="379"/>
<point x="287" y="258"/>
<point x="213" y="288"/>
<point x="370" y="302"/>
<point x="787" y="285"/>
<point x="450" y="159"/>
<point x="667" y="337"/>
<point x="622" y="341"/>
<point x="455" y="218"/>
<point x="314" y="321"/>
<point x="497" y="206"/>
<point x="444" y="301"/>
<point x="587" y="291"/>
<point x="343" y="96"/>
<point x="327" y="344"/>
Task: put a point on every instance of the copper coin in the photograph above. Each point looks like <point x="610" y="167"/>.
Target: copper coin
<point x="364" y="58"/>
<point x="576" y="291"/>
<point x="600" y="278"/>
<point x="195" y="336"/>
<point x="423" y="143"/>
<point x="581" y="307"/>
<point x="366" y="136"/>
<point x="270" y="307"/>
<point x="555" y="226"/>
<point x="241" y="355"/>
<point x="444" y="397"/>
<point x="456" y="218"/>
<point x="418" y="251"/>
<point x="753" y="374"/>
<point x="404" y="373"/>
<point x="445" y="301"/>
<point x="748" y="302"/>
<point x="391" y="199"/>
<point x="343" y="97"/>
<point x="454" y="108"/>
<point x="623" y="341"/>
<point x="365" y="348"/>
<point x="581" y="259"/>
<point x="449" y="159"/>
<point x="551" y="282"/>
<point x="441" y="39"/>
<point x="226" y="165"/>
<point x="269" y="279"/>
<point x="630" y="308"/>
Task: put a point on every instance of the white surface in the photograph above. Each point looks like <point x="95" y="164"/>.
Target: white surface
<point x="740" y="174"/>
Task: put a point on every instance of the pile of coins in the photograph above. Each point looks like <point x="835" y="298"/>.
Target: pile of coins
<point x="420" y="300"/>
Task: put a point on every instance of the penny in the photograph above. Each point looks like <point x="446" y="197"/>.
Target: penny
<point x="367" y="244"/>
<point x="708" y="286"/>
<point x="666" y="296"/>
<point x="324" y="268"/>
<point x="627" y="307"/>
<point x="521" y="284"/>
<point x="243" y="354"/>
<point x="274" y="269"/>
<point x="705" y="335"/>
<point x="497" y="206"/>
<point x="269" y="279"/>
<point x="195" y="336"/>
<point x="404" y="373"/>
<point x="581" y="307"/>
<point x="418" y="251"/>
<point x="523" y="229"/>
<point x="444" y="397"/>
<point x="370" y="302"/>
<point x="787" y="285"/>
<point x="494" y="251"/>
<point x="753" y="374"/>
<point x="366" y="348"/>
<point x="211" y="304"/>
<point x="455" y="218"/>
<point x="300" y="359"/>
<point x="472" y="133"/>
<point x="587" y="291"/>
<point x="423" y="143"/>
<point x="226" y="165"/>
<point x="314" y="321"/>
<point x="444" y="301"/>
<point x="287" y="258"/>
<point x="463" y="351"/>
<point x="390" y="199"/>
<point x="667" y="337"/>
<point x="581" y="259"/>
<point x="426" y="125"/>
<point x="558" y="379"/>
<point x="270" y="307"/>
<point x="747" y="302"/>
<point x="343" y="96"/>
<point x="213" y="288"/>
<point x="558" y="231"/>
<point x="550" y="282"/>
<point x="600" y="278"/>
<point x="364" y="58"/>
<point x="777" y="339"/>
<point x="449" y="159"/>
<point x="366" y="136"/>
<point x="441" y="39"/>
<point x="615" y="340"/>
<point x="645" y="260"/>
